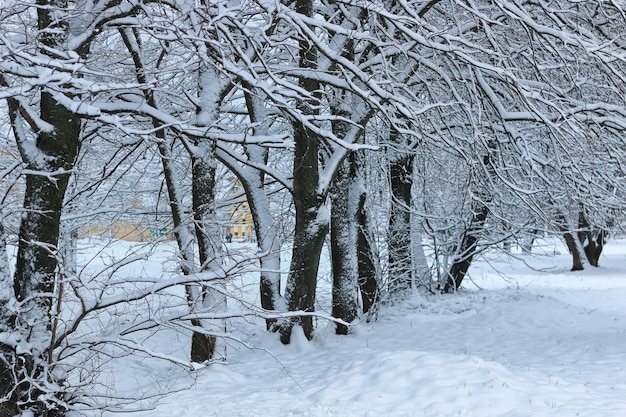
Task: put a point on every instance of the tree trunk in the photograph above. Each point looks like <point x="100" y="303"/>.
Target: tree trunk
<point x="37" y="257"/>
<point x="346" y="192"/>
<point x="267" y="239"/>
<point x="9" y="404"/>
<point x="8" y="407"/>
<point x="399" y="232"/>
<point x="595" y="244"/>
<point x="421" y="270"/>
<point x="312" y="217"/>
<point x="467" y="249"/>
<point x="574" y="246"/>
<point x="528" y="239"/>
<point x="209" y="243"/>
<point x="592" y="240"/>
<point x="367" y="260"/>
<point x="269" y="244"/>
<point x="202" y="345"/>
<point x="310" y="230"/>
<point x="264" y="226"/>
<point x="465" y="252"/>
<point x="343" y="244"/>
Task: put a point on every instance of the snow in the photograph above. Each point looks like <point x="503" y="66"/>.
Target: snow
<point x="516" y="341"/>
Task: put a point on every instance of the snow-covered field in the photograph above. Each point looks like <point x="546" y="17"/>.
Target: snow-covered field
<point x="515" y="342"/>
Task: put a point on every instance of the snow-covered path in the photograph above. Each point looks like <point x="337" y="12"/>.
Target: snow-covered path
<point x="538" y="343"/>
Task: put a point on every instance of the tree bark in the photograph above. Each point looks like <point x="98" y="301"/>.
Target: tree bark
<point x="592" y="240"/>
<point x="312" y="217"/>
<point x="8" y="408"/>
<point x="574" y="249"/>
<point x="400" y="276"/>
<point x="421" y="269"/>
<point x="343" y="244"/>
<point x="368" y="271"/>
<point x="574" y="246"/>
<point x="467" y="249"/>
<point x="264" y="227"/>
<point x="202" y="344"/>
<point x="37" y="257"/>
<point x="209" y="243"/>
<point x="310" y="230"/>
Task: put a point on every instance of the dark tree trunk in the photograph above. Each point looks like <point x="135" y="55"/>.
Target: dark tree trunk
<point x="343" y="244"/>
<point x="469" y="241"/>
<point x="203" y="168"/>
<point x="467" y="249"/>
<point x="310" y="230"/>
<point x="37" y="260"/>
<point x="9" y="404"/>
<point x="574" y="249"/>
<point x="399" y="231"/>
<point x="311" y="219"/>
<point x="202" y="345"/>
<point x="368" y="272"/>
<point x="592" y="240"/>
<point x="27" y="373"/>
<point x="345" y="196"/>
<point x="595" y="244"/>
<point x="574" y="245"/>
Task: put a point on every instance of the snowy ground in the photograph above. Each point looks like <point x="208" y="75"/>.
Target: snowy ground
<point x="516" y="342"/>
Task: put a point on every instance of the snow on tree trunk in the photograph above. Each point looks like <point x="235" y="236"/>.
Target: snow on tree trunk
<point x="68" y="247"/>
<point x="202" y="153"/>
<point x="421" y="270"/>
<point x="269" y="245"/>
<point x="264" y="226"/>
<point x="345" y="194"/>
<point x="592" y="240"/>
<point x="202" y="343"/>
<point x="573" y="243"/>
<point x="7" y="354"/>
<point x="400" y="277"/>
<point x="182" y="232"/>
<point x="267" y="241"/>
<point x="183" y="235"/>
<point x="37" y="256"/>
<point x="593" y="245"/>
<point x="259" y="203"/>
<point x="312" y="217"/>
<point x="208" y="234"/>
<point x="343" y="244"/>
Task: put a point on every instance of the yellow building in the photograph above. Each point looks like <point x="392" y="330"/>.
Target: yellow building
<point x="241" y="225"/>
